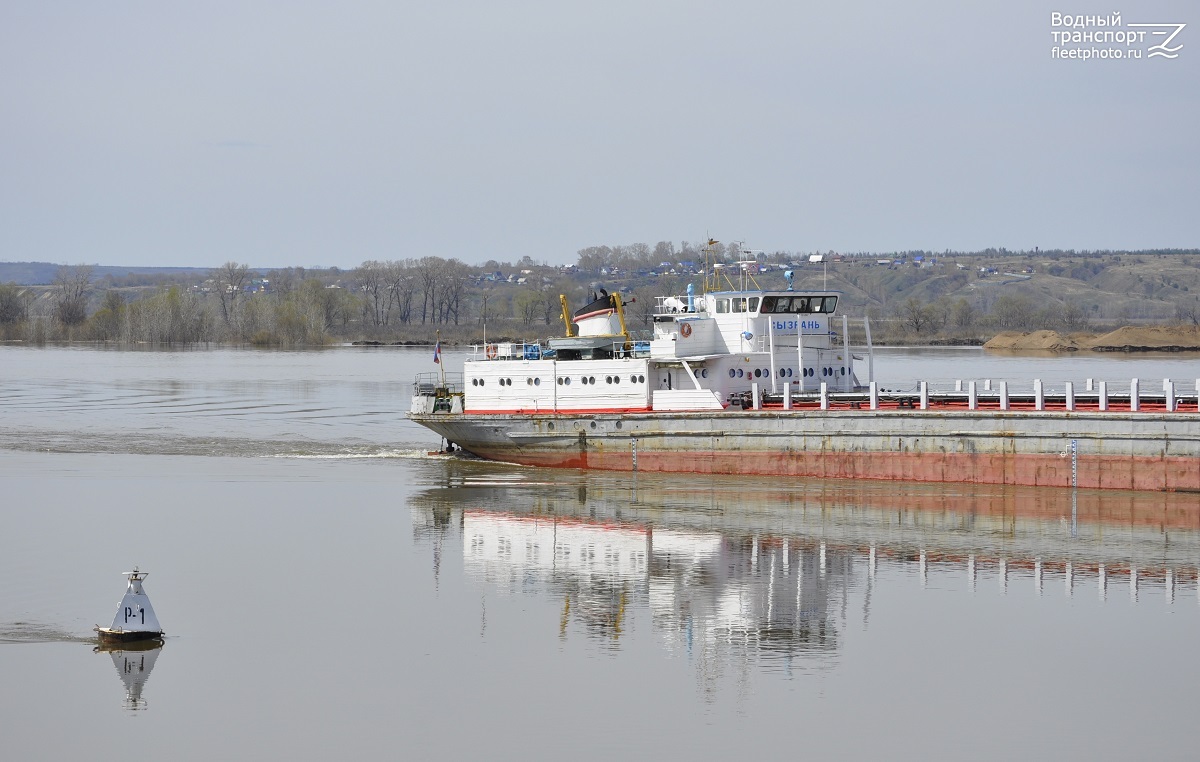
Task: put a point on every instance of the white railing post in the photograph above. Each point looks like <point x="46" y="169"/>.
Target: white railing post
<point x="755" y="396"/>
<point x="846" y="356"/>
<point x="801" y="384"/>
<point x="1169" y="389"/>
<point x="1103" y="396"/>
<point x="787" y="395"/>
<point x="1039" y="395"/>
<point x="1004" y="395"/>
<point x="924" y="395"/>
<point x="870" y="349"/>
<point x="874" y="396"/>
<point x="824" y="396"/>
<point x="1135" y="404"/>
<point x="1070" y="395"/>
<point x="972" y="397"/>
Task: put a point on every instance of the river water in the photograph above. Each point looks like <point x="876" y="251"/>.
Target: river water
<point x="329" y="590"/>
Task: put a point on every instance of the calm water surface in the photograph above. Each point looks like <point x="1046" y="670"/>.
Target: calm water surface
<point x="330" y="591"/>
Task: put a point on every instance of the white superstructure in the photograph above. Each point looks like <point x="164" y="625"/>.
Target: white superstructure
<point x="704" y="351"/>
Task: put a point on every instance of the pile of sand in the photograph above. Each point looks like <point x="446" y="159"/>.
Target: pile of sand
<point x="1046" y="341"/>
<point x="1127" y="339"/>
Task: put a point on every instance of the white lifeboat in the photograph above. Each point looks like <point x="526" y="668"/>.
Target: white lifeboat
<point x="135" y="618"/>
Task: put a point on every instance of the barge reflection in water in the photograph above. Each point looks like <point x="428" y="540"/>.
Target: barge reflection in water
<point x="732" y="568"/>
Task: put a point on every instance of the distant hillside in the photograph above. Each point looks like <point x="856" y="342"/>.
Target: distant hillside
<point x="42" y="273"/>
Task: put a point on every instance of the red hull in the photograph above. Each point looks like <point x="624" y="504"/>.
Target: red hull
<point x="1180" y="474"/>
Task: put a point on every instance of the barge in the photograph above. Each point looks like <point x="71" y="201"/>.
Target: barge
<point x="761" y="382"/>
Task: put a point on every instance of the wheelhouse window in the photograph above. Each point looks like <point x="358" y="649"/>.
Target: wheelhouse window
<point x="796" y="305"/>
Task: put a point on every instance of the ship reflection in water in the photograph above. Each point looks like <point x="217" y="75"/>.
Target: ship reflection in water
<point x="734" y="569"/>
<point x="133" y="660"/>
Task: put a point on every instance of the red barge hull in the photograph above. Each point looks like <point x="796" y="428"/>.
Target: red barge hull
<point x="1156" y="451"/>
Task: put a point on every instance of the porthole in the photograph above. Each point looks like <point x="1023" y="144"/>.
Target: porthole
<point x="593" y="424"/>
<point x="482" y="382"/>
<point x="608" y="379"/>
<point x="591" y="379"/>
<point x="740" y="373"/>
<point x="474" y="382"/>
<point x="633" y="379"/>
<point x="537" y="382"/>
<point x="618" y="424"/>
<point x="616" y="379"/>
<point x="641" y="379"/>
<point x="560" y="381"/>
<point x="550" y="426"/>
<point x="704" y="373"/>
<point x="529" y="382"/>
<point x="732" y="373"/>
<point x="567" y="381"/>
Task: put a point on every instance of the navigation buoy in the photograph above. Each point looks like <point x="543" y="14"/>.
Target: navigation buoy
<point x="135" y="619"/>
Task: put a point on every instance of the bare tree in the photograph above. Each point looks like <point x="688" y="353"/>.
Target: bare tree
<point x="453" y="283"/>
<point x="1074" y="316"/>
<point x="14" y="303"/>
<point x="528" y="304"/>
<point x="963" y="314"/>
<point x="428" y="272"/>
<point x="1014" y="311"/>
<point x="230" y="279"/>
<point x="286" y="280"/>
<point x="400" y="287"/>
<point x="915" y="314"/>
<point x="1188" y="312"/>
<point x="370" y="283"/>
<point x="71" y="287"/>
<point x="107" y="322"/>
<point x="486" y="303"/>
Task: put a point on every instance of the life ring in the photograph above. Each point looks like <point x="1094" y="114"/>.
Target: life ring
<point x="490" y="351"/>
<point x="685" y="329"/>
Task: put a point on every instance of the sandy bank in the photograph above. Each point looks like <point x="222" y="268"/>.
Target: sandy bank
<point x="1127" y="339"/>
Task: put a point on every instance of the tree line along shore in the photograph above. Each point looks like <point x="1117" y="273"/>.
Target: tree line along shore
<point x="993" y="297"/>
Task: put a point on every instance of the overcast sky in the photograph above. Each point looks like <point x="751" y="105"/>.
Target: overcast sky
<point x="329" y="133"/>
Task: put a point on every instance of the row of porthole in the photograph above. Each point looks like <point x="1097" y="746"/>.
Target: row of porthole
<point x="566" y="381"/>
<point x="507" y="382"/>
<point x="784" y="372"/>
<point x="578" y="425"/>
<point x="563" y="380"/>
